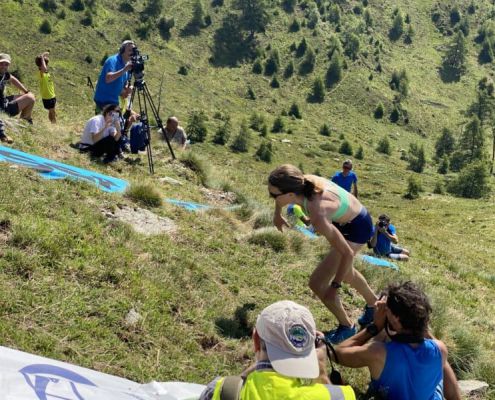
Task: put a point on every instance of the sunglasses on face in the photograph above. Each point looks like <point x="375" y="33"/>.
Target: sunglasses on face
<point x="347" y="167"/>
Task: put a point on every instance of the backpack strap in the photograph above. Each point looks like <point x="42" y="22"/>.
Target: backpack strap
<point x="231" y="388"/>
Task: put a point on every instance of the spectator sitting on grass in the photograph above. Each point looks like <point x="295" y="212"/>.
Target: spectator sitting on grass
<point x="404" y="360"/>
<point x="102" y="134"/>
<point x="298" y="218"/>
<point x="47" y="88"/>
<point x="175" y="133"/>
<point x="346" y="178"/>
<point x="15" y="104"/>
<point x="288" y="363"/>
<point x="384" y="235"/>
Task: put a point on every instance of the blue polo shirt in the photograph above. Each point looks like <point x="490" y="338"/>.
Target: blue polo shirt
<point x="383" y="244"/>
<point x="108" y="93"/>
<point x="345" y="181"/>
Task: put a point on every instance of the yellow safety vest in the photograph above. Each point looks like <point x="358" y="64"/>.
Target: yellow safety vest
<point x="269" y="385"/>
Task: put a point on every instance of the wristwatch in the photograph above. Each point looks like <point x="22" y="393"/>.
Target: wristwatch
<point x="336" y="285"/>
<point x="372" y="329"/>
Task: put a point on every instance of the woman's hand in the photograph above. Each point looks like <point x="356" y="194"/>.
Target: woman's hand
<point x="279" y="221"/>
<point x="380" y="313"/>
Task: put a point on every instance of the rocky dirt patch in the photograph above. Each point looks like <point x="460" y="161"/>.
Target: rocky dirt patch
<point x="142" y="221"/>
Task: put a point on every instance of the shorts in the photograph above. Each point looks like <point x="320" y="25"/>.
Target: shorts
<point x="11" y="107"/>
<point x="48" y="104"/>
<point x="359" y="230"/>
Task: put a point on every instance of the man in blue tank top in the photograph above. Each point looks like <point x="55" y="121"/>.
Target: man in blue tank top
<point x="404" y="360"/>
<point x="346" y="178"/>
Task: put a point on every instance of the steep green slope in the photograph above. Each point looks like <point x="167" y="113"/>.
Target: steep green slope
<point x="69" y="276"/>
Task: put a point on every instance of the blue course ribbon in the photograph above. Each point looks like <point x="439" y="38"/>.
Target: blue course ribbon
<point x="379" y="262"/>
<point x="49" y="169"/>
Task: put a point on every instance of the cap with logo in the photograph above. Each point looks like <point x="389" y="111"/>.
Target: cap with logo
<point x="289" y="332"/>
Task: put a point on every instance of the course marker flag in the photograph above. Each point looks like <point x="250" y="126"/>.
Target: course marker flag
<point x="49" y="169"/>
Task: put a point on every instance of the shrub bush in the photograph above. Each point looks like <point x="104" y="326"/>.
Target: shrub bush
<point x="345" y="148"/>
<point x="45" y="27"/>
<point x="379" y="111"/>
<point x="289" y="70"/>
<point x="472" y="182"/>
<point x="274" y="83"/>
<point x="413" y="188"/>
<point x="198" y="165"/>
<point x="317" y="94"/>
<point x="270" y="238"/>
<point x="384" y="146"/>
<point x="278" y="125"/>
<point x="145" y="194"/>
<point x="126" y="7"/>
<point x="265" y="152"/>
<point x="294" y="111"/>
<point x="325" y="130"/>
<point x="222" y="134"/>
<point x="241" y="141"/>
<point x="77" y="5"/>
<point x="49" y="5"/>
<point x="360" y="153"/>
<point x="196" y="128"/>
<point x="257" y="67"/>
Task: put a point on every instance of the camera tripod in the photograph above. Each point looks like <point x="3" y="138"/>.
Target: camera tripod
<point x="144" y="100"/>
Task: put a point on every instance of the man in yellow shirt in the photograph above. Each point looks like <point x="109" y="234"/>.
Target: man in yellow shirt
<point x="47" y="88"/>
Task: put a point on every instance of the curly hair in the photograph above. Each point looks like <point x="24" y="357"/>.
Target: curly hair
<point x="409" y="303"/>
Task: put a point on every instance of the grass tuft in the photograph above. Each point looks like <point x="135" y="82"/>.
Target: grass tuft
<point x="145" y="194"/>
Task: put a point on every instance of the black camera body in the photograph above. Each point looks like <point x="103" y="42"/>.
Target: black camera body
<point x="382" y="224"/>
<point x="138" y="61"/>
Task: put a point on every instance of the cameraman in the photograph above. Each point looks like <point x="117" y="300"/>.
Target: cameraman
<point x="113" y="76"/>
<point x="383" y="236"/>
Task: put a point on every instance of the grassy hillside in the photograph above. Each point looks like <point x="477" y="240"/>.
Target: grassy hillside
<point x="69" y="276"/>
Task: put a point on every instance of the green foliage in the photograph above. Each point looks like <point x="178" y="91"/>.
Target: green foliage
<point x="265" y="152"/>
<point x="334" y="72"/>
<point x="144" y="29"/>
<point x="455" y="15"/>
<point x="250" y="94"/>
<point x="359" y="153"/>
<point x="278" y="125"/>
<point x="270" y="238"/>
<point x="253" y="15"/>
<point x="413" y="188"/>
<point x="197" y="20"/>
<point x="384" y="146"/>
<point x="289" y="70"/>
<point x="445" y="144"/>
<point x="438" y="189"/>
<point x="87" y="20"/>
<point x="400" y="82"/>
<point x="345" y="148"/>
<point x="77" y="5"/>
<point x="334" y="14"/>
<point x="352" y="45"/>
<point x="257" y="67"/>
<point x="288" y="5"/>
<point x="46" y="27"/>
<point x="164" y="26"/>
<point x="472" y="182"/>
<point x="294" y="26"/>
<point x="334" y="46"/>
<point x="416" y="156"/>
<point x="308" y="63"/>
<point x="275" y="83"/>
<point x="317" y="94"/>
<point x="230" y="44"/>
<point x="222" y="134"/>
<point x="145" y="195"/>
<point x="49" y="5"/>
<point x="379" y="111"/>
<point x="294" y="111"/>
<point x="183" y="70"/>
<point x="368" y="19"/>
<point x="126" y="7"/>
<point x="301" y="48"/>
<point x="256" y="121"/>
<point x="454" y="61"/>
<point x="397" y="28"/>
<point x="471" y="142"/>
<point x="325" y="130"/>
<point x="152" y="10"/>
<point x="196" y="128"/>
<point x="443" y="166"/>
<point x="272" y="63"/>
<point x="241" y="141"/>
<point x="465" y="352"/>
<point x="198" y="165"/>
<point x="486" y="54"/>
<point x="408" y="37"/>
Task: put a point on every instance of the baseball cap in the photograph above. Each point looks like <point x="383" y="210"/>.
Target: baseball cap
<point x="289" y="332"/>
<point x="5" y="58"/>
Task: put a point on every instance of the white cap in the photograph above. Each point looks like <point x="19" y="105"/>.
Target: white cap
<point x="289" y="332"/>
<point x="4" y="57"/>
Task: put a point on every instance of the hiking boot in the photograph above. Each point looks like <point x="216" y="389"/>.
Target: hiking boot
<point x="367" y="317"/>
<point x="109" y="159"/>
<point x="340" y="334"/>
<point x="6" y="139"/>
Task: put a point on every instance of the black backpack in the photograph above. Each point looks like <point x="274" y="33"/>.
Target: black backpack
<point x="138" y="139"/>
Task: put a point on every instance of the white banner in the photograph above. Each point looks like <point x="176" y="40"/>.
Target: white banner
<point x="29" y="377"/>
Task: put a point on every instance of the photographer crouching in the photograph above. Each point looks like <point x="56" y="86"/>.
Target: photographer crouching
<point x="384" y="240"/>
<point x="113" y="77"/>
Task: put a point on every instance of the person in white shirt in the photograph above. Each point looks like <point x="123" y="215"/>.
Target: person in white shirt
<point x="102" y="134"/>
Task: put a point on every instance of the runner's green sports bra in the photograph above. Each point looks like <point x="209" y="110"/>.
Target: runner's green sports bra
<point x="344" y="197"/>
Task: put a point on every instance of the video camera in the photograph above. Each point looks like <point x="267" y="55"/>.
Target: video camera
<point x="382" y="224"/>
<point x="138" y="61"/>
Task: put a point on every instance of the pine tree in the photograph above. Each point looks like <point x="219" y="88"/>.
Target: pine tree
<point x="265" y="152"/>
<point x="318" y="91"/>
<point x="334" y="72"/>
<point x="397" y="27"/>
<point x="384" y="146"/>
<point x="454" y="62"/>
<point x="308" y="64"/>
<point x="241" y="141"/>
<point x="294" y="111"/>
<point x="254" y="15"/>
<point x="223" y="133"/>
<point x="417" y="160"/>
<point x="325" y="130"/>
<point x="289" y="70"/>
<point x="445" y="144"/>
<point x="278" y="125"/>
<point x="301" y="48"/>
<point x="471" y="142"/>
<point x="196" y="129"/>
<point x="486" y="54"/>
<point x="379" y="111"/>
<point x="360" y="153"/>
<point x="272" y="63"/>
